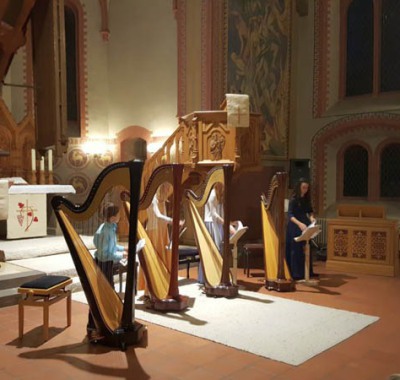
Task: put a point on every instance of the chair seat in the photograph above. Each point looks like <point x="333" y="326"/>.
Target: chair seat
<point x="188" y="254"/>
<point x="187" y="250"/>
<point x="250" y="251"/>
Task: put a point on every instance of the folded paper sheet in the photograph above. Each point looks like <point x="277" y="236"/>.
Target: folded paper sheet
<point x="238" y="109"/>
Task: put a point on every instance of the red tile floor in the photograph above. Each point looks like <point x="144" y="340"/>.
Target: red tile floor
<point x="373" y="353"/>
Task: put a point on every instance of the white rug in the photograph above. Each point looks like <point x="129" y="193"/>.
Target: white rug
<point x="37" y="247"/>
<point x="273" y="327"/>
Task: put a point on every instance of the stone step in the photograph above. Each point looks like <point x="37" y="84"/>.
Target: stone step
<point x="12" y="276"/>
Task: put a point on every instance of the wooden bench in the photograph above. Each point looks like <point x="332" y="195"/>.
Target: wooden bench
<point x="44" y="292"/>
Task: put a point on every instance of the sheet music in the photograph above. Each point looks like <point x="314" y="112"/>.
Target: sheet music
<point x="312" y="226"/>
<point x="139" y="246"/>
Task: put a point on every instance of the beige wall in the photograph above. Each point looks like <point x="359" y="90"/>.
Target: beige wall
<point x="142" y="65"/>
<point x="14" y="96"/>
<point x="302" y="125"/>
<point x="97" y="96"/>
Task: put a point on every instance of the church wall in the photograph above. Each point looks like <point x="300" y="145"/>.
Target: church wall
<point x="14" y="95"/>
<point x="97" y="92"/>
<point x="193" y="58"/>
<point x="303" y="125"/>
<point x="142" y="65"/>
<point x="316" y="106"/>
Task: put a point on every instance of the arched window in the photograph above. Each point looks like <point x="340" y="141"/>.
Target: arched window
<point x="73" y="19"/>
<point x="70" y="22"/>
<point x="355" y="171"/>
<point x="390" y="52"/>
<point x="372" y="32"/>
<point x="389" y="171"/>
<point x="360" y="48"/>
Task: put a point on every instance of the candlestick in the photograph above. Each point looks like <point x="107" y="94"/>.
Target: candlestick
<point x="50" y="160"/>
<point x="33" y="157"/>
<point x="42" y="164"/>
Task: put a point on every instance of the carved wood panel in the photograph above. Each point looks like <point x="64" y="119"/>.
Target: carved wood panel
<point x="364" y="245"/>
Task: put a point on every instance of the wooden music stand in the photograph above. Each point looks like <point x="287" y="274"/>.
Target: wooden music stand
<point x="308" y="234"/>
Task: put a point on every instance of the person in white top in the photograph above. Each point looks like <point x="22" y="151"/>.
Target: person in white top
<point x="157" y="227"/>
<point x="214" y="220"/>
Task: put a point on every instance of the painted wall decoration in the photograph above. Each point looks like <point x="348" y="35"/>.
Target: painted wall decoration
<point x="259" y="65"/>
<point x="77" y="158"/>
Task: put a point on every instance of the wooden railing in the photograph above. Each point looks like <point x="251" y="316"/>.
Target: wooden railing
<point x="204" y="139"/>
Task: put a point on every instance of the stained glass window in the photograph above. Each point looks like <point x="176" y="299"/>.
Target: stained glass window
<point x="360" y="48"/>
<point x="390" y="173"/>
<point x="390" y="51"/>
<point x="72" y="72"/>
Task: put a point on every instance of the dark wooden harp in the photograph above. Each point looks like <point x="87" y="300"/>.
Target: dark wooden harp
<point x="113" y="317"/>
<point x="277" y="275"/>
<point x="216" y="268"/>
<point x="162" y="283"/>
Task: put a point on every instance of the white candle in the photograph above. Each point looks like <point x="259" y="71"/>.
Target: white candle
<point x="33" y="157"/>
<point x="42" y="164"/>
<point x="50" y="160"/>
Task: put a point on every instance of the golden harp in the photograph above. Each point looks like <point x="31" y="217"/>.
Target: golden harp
<point x="216" y="268"/>
<point x="113" y="318"/>
<point x="162" y="282"/>
<point x="277" y="275"/>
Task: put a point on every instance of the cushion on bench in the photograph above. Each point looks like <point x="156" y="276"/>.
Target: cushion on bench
<point x="45" y="282"/>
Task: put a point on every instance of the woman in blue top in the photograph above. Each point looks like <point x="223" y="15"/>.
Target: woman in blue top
<point x="300" y="215"/>
<point x="107" y="252"/>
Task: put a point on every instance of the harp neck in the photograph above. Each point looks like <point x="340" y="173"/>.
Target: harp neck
<point x="118" y="174"/>
<point x="165" y="173"/>
<point x="274" y="201"/>
<point x="215" y="175"/>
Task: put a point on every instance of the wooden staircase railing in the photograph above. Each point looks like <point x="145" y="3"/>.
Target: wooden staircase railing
<point x="204" y="139"/>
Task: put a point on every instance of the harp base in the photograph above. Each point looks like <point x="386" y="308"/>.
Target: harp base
<point x="228" y="291"/>
<point x="172" y="304"/>
<point x="136" y="335"/>
<point x="280" y="285"/>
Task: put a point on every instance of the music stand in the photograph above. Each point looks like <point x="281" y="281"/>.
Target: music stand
<point x="234" y="240"/>
<point x="309" y="233"/>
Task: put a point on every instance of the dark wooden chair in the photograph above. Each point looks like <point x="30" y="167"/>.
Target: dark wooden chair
<point x="188" y="255"/>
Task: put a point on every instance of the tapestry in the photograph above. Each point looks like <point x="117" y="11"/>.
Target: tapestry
<point x="259" y="65"/>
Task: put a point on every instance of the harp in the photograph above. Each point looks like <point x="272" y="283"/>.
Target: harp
<point x="113" y="318"/>
<point x="162" y="282"/>
<point x="277" y="275"/>
<point x="216" y="268"/>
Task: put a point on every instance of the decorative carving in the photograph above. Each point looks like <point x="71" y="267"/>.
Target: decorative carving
<point x="216" y="144"/>
<point x="192" y="138"/>
<point x="359" y="244"/>
<point x="340" y="242"/>
<point x="378" y="245"/>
